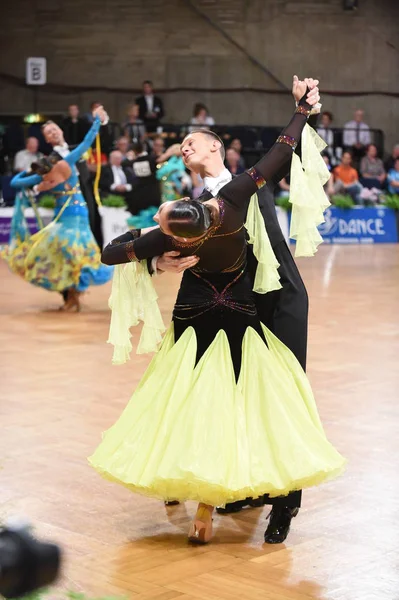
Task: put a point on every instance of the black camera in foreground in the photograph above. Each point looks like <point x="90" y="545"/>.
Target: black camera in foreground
<point x="25" y="563"/>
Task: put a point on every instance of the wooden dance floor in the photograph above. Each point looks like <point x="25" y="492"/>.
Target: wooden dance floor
<point x="59" y="392"/>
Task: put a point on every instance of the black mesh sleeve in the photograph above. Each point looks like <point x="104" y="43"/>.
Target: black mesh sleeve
<point x="130" y="246"/>
<point x="239" y="191"/>
<point x="284" y="171"/>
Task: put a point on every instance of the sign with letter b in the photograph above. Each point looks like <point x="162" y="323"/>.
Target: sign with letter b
<point x="36" y="71"/>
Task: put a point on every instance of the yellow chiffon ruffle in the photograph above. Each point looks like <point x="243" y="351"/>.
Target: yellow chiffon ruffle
<point x="267" y="277"/>
<point x="308" y="198"/>
<point x="192" y="433"/>
<point x="133" y="299"/>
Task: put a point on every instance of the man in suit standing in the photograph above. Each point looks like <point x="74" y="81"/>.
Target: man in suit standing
<point x="150" y="107"/>
<point x="146" y="190"/>
<point x="74" y="126"/>
<point x="116" y="178"/>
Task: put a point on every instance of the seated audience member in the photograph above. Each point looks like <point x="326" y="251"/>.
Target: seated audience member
<point x="201" y="117"/>
<point x="74" y="127"/>
<point x="134" y="128"/>
<point x="237" y="146"/>
<point x="393" y="178"/>
<point x="233" y="162"/>
<point x="158" y="147"/>
<point x="390" y="162"/>
<point x="91" y="161"/>
<point x="24" y="158"/>
<point x="346" y="179"/>
<point x="372" y="169"/>
<point x="146" y="189"/>
<point x="357" y="135"/>
<point x="150" y="107"/>
<point x="122" y="144"/>
<point x="115" y="178"/>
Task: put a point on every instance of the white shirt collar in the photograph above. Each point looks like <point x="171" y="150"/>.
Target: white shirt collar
<point x="62" y="149"/>
<point x="214" y="184"/>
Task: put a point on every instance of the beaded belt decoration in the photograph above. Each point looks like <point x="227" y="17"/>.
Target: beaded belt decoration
<point x="70" y="192"/>
<point x="219" y="299"/>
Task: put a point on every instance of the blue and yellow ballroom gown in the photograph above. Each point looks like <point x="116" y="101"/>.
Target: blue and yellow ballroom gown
<point x="64" y="254"/>
<point x="224" y="410"/>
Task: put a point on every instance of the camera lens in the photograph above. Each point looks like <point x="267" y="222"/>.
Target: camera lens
<point x="25" y="563"/>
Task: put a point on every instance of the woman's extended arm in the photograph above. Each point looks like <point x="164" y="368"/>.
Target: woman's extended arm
<point x="239" y="191"/>
<point x="133" y="246"/>
<point x="89" y="138"/>
<point x="23" y="180"/>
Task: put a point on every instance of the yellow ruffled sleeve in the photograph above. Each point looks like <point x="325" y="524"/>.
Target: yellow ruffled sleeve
<point x="308" y="198"/>
<point x="133" y="299"/>
<point x="267" y="277"/>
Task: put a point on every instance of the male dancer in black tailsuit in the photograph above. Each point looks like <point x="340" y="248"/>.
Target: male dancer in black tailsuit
<point x="284" y="311"/>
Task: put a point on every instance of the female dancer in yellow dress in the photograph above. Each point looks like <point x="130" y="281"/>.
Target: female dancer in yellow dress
<point x="224" y="411"/>
<point x="63" y="256"/>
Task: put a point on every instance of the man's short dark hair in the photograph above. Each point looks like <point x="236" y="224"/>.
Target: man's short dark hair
<point x="328" y="114"/>
<point x="148" y="81"/>
<point x="214" y="136"/>
<point x="138" y="147"/>
<point x="47" y="123"/>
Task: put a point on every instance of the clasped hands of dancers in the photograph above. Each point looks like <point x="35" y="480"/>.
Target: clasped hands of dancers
<point x="224" y="412"/>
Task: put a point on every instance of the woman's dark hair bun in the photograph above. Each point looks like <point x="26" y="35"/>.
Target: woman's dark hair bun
<point x="189" y="218"/>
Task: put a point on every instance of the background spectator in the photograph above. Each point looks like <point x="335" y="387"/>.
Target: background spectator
<point x="233" y="162"/>
<point x="171" y="172"/>
<point x="357" y="135"/>
<point x="89" y="115"/>
<point x="325" y="130"/>
<point x="158" y="147"/>
<point x="201" y="117"/>
<point x="115" y="178"/>
<point x="122" y="144"/>
<point x="372" y="169"/>
<point x="237" y="146"/>
<point x="150" y="107"/>
<point x="146" y="188"/>
<point x="390" y="162"/>
<point x="346" y="179"/>
<point x="393" y="178"/>
<point x="134" y="128"/>
<point x="73" y="126"/>
<point x="24" y="158"/>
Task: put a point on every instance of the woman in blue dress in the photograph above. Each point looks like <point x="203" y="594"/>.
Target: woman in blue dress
<point x="63" y="256"/>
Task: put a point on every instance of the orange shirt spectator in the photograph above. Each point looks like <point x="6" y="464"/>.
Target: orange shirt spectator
<point x="346" y="173"/>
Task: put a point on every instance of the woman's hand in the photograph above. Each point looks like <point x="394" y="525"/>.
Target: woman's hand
<point x="101" y="114"/>
<point x="299" y="88"/>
